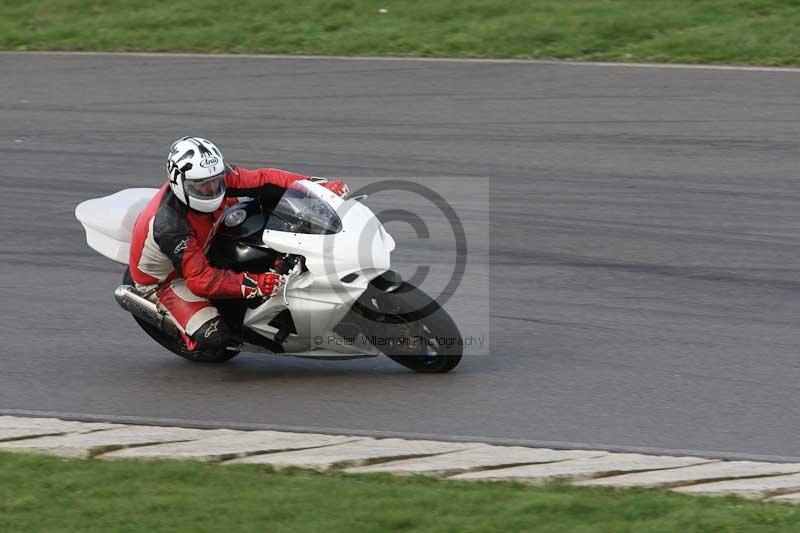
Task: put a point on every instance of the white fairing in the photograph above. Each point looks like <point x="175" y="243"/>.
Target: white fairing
<point x="109" y="221"/>
<point x="318" y="299"/>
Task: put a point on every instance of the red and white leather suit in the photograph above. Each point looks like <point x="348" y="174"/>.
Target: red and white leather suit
<point x="168" y="250"/>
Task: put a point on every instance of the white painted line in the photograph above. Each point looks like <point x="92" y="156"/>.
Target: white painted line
<point x="249" y="426"/>
<point x="786" y="498"/>
<point x="12" y="427"/>
<point x="583" y="468"/>
<point x="17" y="422"/>
<point x="353" y="453"/>
<point x="480" y="456"/>
<point x="544" y="62"/>
<point x="692" y="474"/>
<point x="747" y="488"/>
<point x="83" y="445"/>
<point x="228" y="443"/>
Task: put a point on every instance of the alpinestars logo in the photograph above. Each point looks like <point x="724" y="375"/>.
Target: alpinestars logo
<point x="181" y="246"/>
<point x="211" y="329"/>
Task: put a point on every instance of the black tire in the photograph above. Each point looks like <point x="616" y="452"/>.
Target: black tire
<point x="177" y="346"/>
<point x="408" y="313"/>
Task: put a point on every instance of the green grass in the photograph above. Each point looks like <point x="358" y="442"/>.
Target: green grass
<point x="717" y="31"/>
<point x="45" y="494"/>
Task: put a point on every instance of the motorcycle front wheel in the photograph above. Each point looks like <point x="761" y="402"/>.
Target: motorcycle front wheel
<point x="410" y="328"/>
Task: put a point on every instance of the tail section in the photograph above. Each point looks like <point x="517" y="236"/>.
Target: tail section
<point x="109" y="221"/>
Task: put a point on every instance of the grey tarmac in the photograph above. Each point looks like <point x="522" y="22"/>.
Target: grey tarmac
<point x="644" y="231"/>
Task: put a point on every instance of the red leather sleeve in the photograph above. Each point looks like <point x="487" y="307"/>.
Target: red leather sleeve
<point x="242" y="181"/>
<point x="206" y="281"/>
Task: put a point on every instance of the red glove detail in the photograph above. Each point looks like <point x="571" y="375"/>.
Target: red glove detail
<point x="269" y="284"/>
<point x="261" y="285"/>
<point x="337" y="187"/>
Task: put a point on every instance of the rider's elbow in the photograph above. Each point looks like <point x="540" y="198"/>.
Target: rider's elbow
<point x="198" y="286"/>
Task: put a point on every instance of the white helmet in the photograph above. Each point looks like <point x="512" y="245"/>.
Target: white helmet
<point x="196" y="173"/>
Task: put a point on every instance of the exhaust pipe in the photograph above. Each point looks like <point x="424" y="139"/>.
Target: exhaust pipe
<point x="130" y="300"/>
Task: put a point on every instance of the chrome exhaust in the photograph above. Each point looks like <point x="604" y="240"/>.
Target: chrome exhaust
<point x="130" y="300"/>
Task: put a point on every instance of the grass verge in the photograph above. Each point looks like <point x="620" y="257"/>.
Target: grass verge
<point x="711" y="31"/>
<point x="39" y="493"/>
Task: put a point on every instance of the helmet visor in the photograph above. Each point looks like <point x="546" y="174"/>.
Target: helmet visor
<point x="207" y="188"/>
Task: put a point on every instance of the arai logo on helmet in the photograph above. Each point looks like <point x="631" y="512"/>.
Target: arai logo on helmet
<point x="209" y="161"/>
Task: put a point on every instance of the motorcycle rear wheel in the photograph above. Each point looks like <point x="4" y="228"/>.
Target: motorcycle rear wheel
<point x="177" y="346"/>
<point x="410" y="328"/>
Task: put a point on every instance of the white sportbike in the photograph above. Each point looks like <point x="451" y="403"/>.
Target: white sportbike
<point x="340" y="299"/>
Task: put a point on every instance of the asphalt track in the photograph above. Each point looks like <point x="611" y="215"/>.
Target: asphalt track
<point x="645" y="237"/>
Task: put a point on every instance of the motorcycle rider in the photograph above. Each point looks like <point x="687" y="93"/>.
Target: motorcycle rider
<point x="171" y="233"/>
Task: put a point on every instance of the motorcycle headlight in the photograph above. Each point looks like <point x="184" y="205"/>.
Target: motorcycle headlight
<point x="235" y="217"/>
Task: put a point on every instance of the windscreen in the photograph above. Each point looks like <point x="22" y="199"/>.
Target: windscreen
<point x="300" y="210"/>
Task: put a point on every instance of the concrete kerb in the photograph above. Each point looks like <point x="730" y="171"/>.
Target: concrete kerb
<point x="776" y="482"/>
